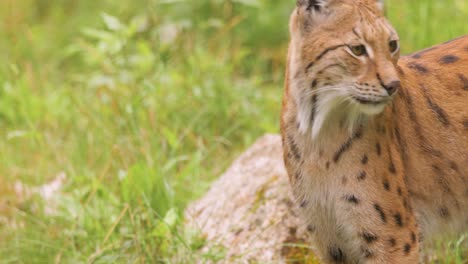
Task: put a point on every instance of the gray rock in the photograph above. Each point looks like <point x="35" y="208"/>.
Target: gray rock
<point x="249" y="210"/>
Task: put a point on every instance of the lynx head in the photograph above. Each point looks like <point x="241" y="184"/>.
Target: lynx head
<point x="342" y="61"/>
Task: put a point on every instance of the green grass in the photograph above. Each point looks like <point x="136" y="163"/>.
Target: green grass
<point x="141" y="104"/>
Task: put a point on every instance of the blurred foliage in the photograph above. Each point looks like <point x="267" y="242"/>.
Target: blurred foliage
<point x="141" y="104"/>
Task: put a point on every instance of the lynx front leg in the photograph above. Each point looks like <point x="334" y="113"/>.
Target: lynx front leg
<point x="364" y="228"/>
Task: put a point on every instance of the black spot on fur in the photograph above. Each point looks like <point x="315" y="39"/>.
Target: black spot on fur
<point x="423" y="142"/>
<point x="344" y="180"/>
<point x="418" y="67"/>
<point x="358" y="133"/>
<point x="386" y="184"/>
<point x="382" y="130"/>
<point x="454" y="166"/>
<point x="298" y="175"/>
<point x="314" y="108"/>
<point x="292" y="231"/>
<point x="327" y="165"/>
<point x="336" y="254"/>
<point x="311" y="228"/>
<point x="352" y="199"/>
<point x="436" y="109"/>
<point x="314" y="84"/>
<point x="400" y="192"/>
<point x="392" y="242"/>
<point x="444" y="212"/>
<point x="407" y="248"/>
<point x="406" y="204"/>
<point x="401" y="143"/>
<point x="294" y="148"/>
<point x="447" y="59"/>
<point x="347" y="145"/>
<point x="364" y="160"/>
<point x="378" y="148"/>
<point x="362" y="176"/>
<point x="465" y="124"/>
<point x="421" y="53"/>
<point x="398" y="219"/>
<point x="391" y="167"/>
<point x="369" y="237"/>
<point x="464" y="81"/>
<point x="413" y="237"/>
<point x="381" y="213"/>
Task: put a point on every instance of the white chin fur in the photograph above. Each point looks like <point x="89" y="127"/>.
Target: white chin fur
<point x="372" y="109"/>
<point x="330" y="109"/>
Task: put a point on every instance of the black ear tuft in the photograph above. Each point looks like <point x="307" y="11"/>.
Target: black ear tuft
<point x="310" y="4"/>
<point x="313" y="4"/>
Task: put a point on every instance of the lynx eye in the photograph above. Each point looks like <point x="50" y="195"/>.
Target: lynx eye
<point x="393" y="45"/>
<point x="358" y="50"/>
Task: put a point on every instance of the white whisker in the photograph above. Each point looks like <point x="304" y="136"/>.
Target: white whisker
<point x="334" y="102"/>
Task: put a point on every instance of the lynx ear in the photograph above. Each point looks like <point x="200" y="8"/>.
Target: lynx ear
<point x="310" y="13"/>
<point x="309" y="5"/>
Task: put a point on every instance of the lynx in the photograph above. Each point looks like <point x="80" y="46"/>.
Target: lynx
<point x="375" y="145"/>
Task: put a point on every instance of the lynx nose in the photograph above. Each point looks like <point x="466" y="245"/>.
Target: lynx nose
<point x="392" y="87"/>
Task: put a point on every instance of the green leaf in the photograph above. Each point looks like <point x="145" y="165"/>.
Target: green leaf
<point x="111" y="22"/>
<point x="171" y="218"/>
<point x="171" y="138"/>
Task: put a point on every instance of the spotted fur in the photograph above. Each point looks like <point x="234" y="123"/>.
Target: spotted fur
<point x="376" y="145"/>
